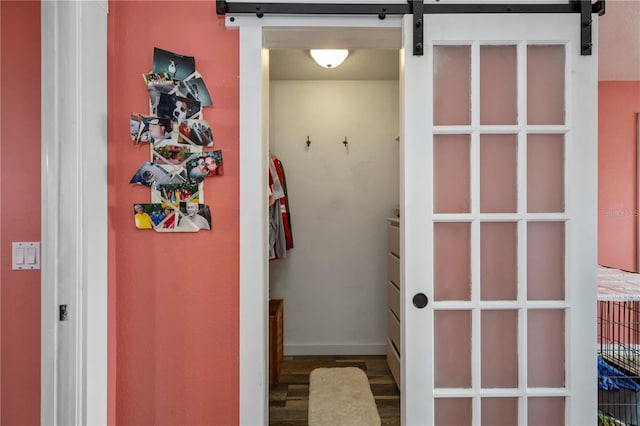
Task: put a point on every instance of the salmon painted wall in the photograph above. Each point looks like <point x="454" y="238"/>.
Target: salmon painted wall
<point x="618" y="104"/>
<point x="173" y="298"/>
<point x="19" y="210"/>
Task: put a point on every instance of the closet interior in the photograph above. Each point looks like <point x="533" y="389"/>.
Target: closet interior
<point x="335" y="133"/>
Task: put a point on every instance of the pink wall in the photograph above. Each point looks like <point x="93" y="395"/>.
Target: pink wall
<point x="617" y="179"/>
<point x="19" y="210"/>
<point x="173" y="298"/>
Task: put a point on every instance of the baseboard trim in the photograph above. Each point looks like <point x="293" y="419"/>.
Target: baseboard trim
<point x="296" y="350"/>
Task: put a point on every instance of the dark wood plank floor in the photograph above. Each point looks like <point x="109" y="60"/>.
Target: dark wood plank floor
<point x="289" y="399"/>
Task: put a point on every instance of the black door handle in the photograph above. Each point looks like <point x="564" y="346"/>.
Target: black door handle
<point x="420" y="300"/>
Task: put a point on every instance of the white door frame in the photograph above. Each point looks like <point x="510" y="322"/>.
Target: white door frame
<point x="254" y="277"/>
<point x="74" y="212"/>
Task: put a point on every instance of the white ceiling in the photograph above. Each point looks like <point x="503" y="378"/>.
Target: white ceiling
<point x="374" y="55"/>
<point x="361" y="64"/>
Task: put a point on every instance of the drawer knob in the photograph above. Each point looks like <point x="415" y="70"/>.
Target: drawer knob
<point x="420" y="300"/>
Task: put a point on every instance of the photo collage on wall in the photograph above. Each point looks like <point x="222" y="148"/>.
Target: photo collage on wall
<point x="181" y="143"/>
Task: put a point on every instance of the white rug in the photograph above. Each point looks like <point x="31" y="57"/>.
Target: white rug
<point x="341" y="397"/>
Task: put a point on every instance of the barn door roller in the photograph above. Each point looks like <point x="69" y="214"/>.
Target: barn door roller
<point x="418" y="9"/>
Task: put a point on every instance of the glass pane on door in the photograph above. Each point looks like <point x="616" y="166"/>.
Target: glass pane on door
<point x="499" y="343"/>
<point x="499" y="411"/>
<point x="453" y="355"/>
<point x="498" y="85"/>
<point x="545" y="261"/>
<point x="545" y="84"/>
<point x="545" y="411"/>
<point x="498" y="173"/>
<point x="452" y="255"/>
<point x="498" y="261"/>
<point x="452" y="88"/>
<point x="453" y="411"/>
<point x="545" y="173"/>
<point x="545" y="348"/>
<point x="452" y="173"/>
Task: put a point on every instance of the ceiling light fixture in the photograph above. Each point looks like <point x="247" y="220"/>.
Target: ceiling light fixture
<point x="329" y="58"/>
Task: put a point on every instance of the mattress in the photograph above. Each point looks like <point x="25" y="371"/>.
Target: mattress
<point x="617" y="285"/>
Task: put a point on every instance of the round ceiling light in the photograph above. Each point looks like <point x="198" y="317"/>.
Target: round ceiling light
<point x="329" y="58"/>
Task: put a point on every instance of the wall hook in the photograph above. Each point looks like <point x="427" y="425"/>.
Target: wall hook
<point x="308" y="142"/>
<point x="346" y="144"/>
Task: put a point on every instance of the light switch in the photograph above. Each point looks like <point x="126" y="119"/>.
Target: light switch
<point x="26" y="256"/>
<point x="19" y="256"/>
<point x="31" y="255"/>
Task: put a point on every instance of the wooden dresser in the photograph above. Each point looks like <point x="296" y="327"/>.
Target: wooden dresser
<point x="276" y="340"/>
<point x="393" y="292"/>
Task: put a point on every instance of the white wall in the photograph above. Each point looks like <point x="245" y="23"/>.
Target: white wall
<point x="333" y="281"/>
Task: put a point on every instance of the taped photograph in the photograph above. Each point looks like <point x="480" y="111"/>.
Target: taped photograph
<point x="158" y="83"/>
<point x="194" y="85"/>
<point x="175" y="194"/>
<point x="168" y="218"/>
<point x="171" y="152"/>
<point x="152" y="175"/>
<point x="146" y="216"/>
<point x="194" y="214"/>
<point x="177" y="108"/>
<point x="196" y="132"/>
<point x="205" y="164"/>
<point x="135" y="126"/>
<point x="177" y="66"/>
<point x="155" y="129"/>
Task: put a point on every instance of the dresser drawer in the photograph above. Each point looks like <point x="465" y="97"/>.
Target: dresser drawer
<point x="393" y="359"/>
<point x="393" y="298"/>
<point x="393" y="329"/>
<point x="393" y="269"/>
<point x="393" y="239"/>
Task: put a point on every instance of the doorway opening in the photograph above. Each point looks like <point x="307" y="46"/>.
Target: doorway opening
<point x="335" y="133"/>
<point x="256" y="37"/>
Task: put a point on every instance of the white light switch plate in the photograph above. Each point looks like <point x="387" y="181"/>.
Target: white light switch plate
<point x="25" y="256"/>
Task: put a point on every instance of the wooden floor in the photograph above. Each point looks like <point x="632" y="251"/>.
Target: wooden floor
<point x="289" y="399"/>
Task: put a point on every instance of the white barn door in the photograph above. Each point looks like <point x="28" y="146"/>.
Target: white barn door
<point x="499" y="222"/>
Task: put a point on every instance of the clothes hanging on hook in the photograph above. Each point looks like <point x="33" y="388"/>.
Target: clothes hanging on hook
<point x="280" y="235"/>
<point x="284" y="205"/>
